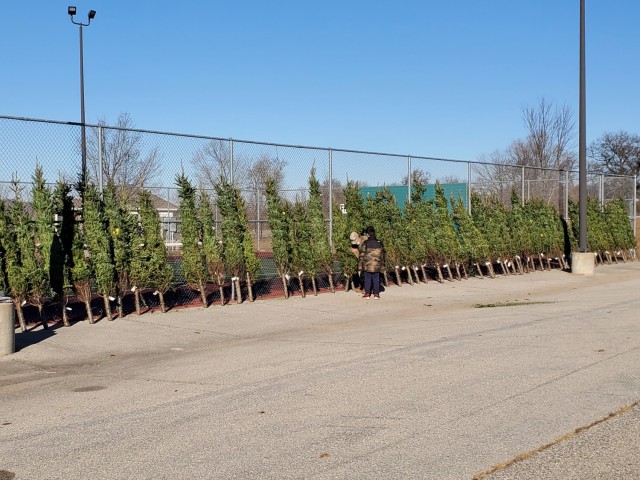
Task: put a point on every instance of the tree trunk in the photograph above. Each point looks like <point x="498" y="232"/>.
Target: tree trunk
<point x="450" y="275"/>
<point x="314" y="285"/>
<point x="238" y="291"/>
<point x="43" y="321"/>
<point x="332" y="287"/>
<point x="398" y="279"/>
<point x="439" y="271"/>
<point x="285" y="288"/>
<point x="301" y="282"/>
<point x="87" y="306"/>
<point x="492" y="272"/>
<point x="540" y="262"/>
<point x="120" y="307"/>
<point x="136" y="296"/>
<point x="347" y="283"/>
<point x="203" y="294"/>
<point x="65" y="315"/>
<point x="458" y="272"/>
<point x="163" y="307"/>
<point x="386" y="278"/>
<point x="424" y="274"/>
<point x="17" y="303"/>
<point x="249" y="287"/>
<point x="464" y="271"/>
<point x="107" y="307"/>
<point x="221" y="289"/>
<point x="409" y="276"/>
<point x="479" y="270"/>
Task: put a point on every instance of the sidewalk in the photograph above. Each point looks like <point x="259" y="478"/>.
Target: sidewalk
<point x="433" y="381"/>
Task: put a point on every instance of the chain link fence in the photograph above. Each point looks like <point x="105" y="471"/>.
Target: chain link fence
<point x="134" y="158"/>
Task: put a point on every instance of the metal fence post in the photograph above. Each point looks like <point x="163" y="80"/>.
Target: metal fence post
<point x="601" y="191"/>
<point x="331" y="198"/>
<point x="100" y="161"/>
<point x="566" y="194"/>
<point x="634" y="203"/>
<point x="469" y="187"/>
<point x="231" y="160"/>
<point x="258" y="217"/>
<point x="409" y="179"/>
<point x="522" y="187"/>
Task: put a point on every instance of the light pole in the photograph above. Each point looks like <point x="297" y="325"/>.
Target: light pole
<point x="92" y="13"/>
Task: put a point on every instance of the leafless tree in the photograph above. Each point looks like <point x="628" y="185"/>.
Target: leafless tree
<point x="548" y="147"/>
<point x="616" y="153"/>
<point x="125" y="162"/>
<point x="213" y="161"/>
<point x="417" y="174"/>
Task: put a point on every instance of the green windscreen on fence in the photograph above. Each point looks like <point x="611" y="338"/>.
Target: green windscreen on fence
<point x="400" y="192"/>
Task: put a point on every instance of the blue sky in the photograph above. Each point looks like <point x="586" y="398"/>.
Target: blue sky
<point x="444" y="79"/>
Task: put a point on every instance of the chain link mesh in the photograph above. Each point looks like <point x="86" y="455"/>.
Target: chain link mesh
<point x="132" y="159"/>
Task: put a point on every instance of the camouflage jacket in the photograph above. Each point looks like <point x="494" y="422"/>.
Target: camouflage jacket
<point x="371" y="257"/>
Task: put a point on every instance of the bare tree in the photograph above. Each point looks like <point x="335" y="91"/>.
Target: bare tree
<point x="213" y="162"/>
<point x="263" y="168"/>
<point x="121" y="155"/>
<point x="417" y="175"/>
<point x="549" y="146"/>
<point x="616" y="153"/>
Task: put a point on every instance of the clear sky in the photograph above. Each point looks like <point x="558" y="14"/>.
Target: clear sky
<point x="433" y="78"/>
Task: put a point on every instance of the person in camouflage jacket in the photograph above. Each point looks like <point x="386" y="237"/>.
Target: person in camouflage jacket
<point x="371" y="260"/>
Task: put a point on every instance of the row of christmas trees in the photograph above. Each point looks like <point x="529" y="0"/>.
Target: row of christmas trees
<point x="440" y="235"/>
<point x="48" y="251"/>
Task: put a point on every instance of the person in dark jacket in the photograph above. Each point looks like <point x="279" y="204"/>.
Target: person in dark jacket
<point x="371" y="260"/>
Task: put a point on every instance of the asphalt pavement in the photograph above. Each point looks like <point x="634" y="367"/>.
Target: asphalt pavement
<point x="518" y="377"/>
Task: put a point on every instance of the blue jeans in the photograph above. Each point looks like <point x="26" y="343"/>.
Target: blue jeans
<point x="369" y="278"/>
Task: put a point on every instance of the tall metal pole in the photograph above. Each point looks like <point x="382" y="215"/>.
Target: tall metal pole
<point x="331" y="198"/>
<point x="582" y="141"/>
<point x="84" y="134"/>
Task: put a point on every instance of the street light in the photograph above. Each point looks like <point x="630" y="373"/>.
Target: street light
<point x="92" y="13"/>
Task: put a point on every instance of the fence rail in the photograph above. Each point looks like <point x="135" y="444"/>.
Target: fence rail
<point x="135" y="157"/>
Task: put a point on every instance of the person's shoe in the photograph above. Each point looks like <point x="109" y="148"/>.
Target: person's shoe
<point x="366" y="296"/>
<point x="376" y="296"/>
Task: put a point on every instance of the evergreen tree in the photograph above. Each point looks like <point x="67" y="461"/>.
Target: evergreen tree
<point x="344" y="224"/>
<point x="620" y="228"/>
<point x="18" y="245"/>
<point x="159" y="271"/>
<point x="302" y="259"/>
<point x="82" y="268"/>
<point x="383" y="214"/>
<point x="4" y="228"/>
<point x="320" y="248"/>
<point x="100" y="246"/>
<point x="120" y="225"/>
<point x="193" y="267"/>
<point x="251" y="261"/>
<point x="43" y="230"/>
<point x="279" y="215"/>
<point x="62" y="247"/>
<point x="446" y="239"/>
<point x="233" y="233"/>
<point x="211" y="244"/>
<point x="473" y="246"/>
<point x="139" y="272"/>
<point x="520" y="223"/>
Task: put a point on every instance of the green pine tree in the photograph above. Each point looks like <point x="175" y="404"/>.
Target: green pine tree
<point x="193" y="267"/>
<point x="61" y="247"/>
<point x="211" y="244"/>
<point x="446" y="239"/>
<point x="18" y="244"/>
<point x="42" y="204"/>
<point x="120" y="224"/>
<point x="320" y="248"/>
<point x="159" y="271"/>
<point x="473" y="246"/>
<point x="100" y="246"/>
<point x="302" y="260"/>
<point x="279" y="215"/>
<point x="82" y="269"/>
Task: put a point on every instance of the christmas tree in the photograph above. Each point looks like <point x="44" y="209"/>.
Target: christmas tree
<point x="320" y="248"/>
<point x="279" y="215"/>
<point x="211" y="244"/>
<point x="62" y="247"/>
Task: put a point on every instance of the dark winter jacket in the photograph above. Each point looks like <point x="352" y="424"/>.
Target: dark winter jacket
<point x="371" y="257"/>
